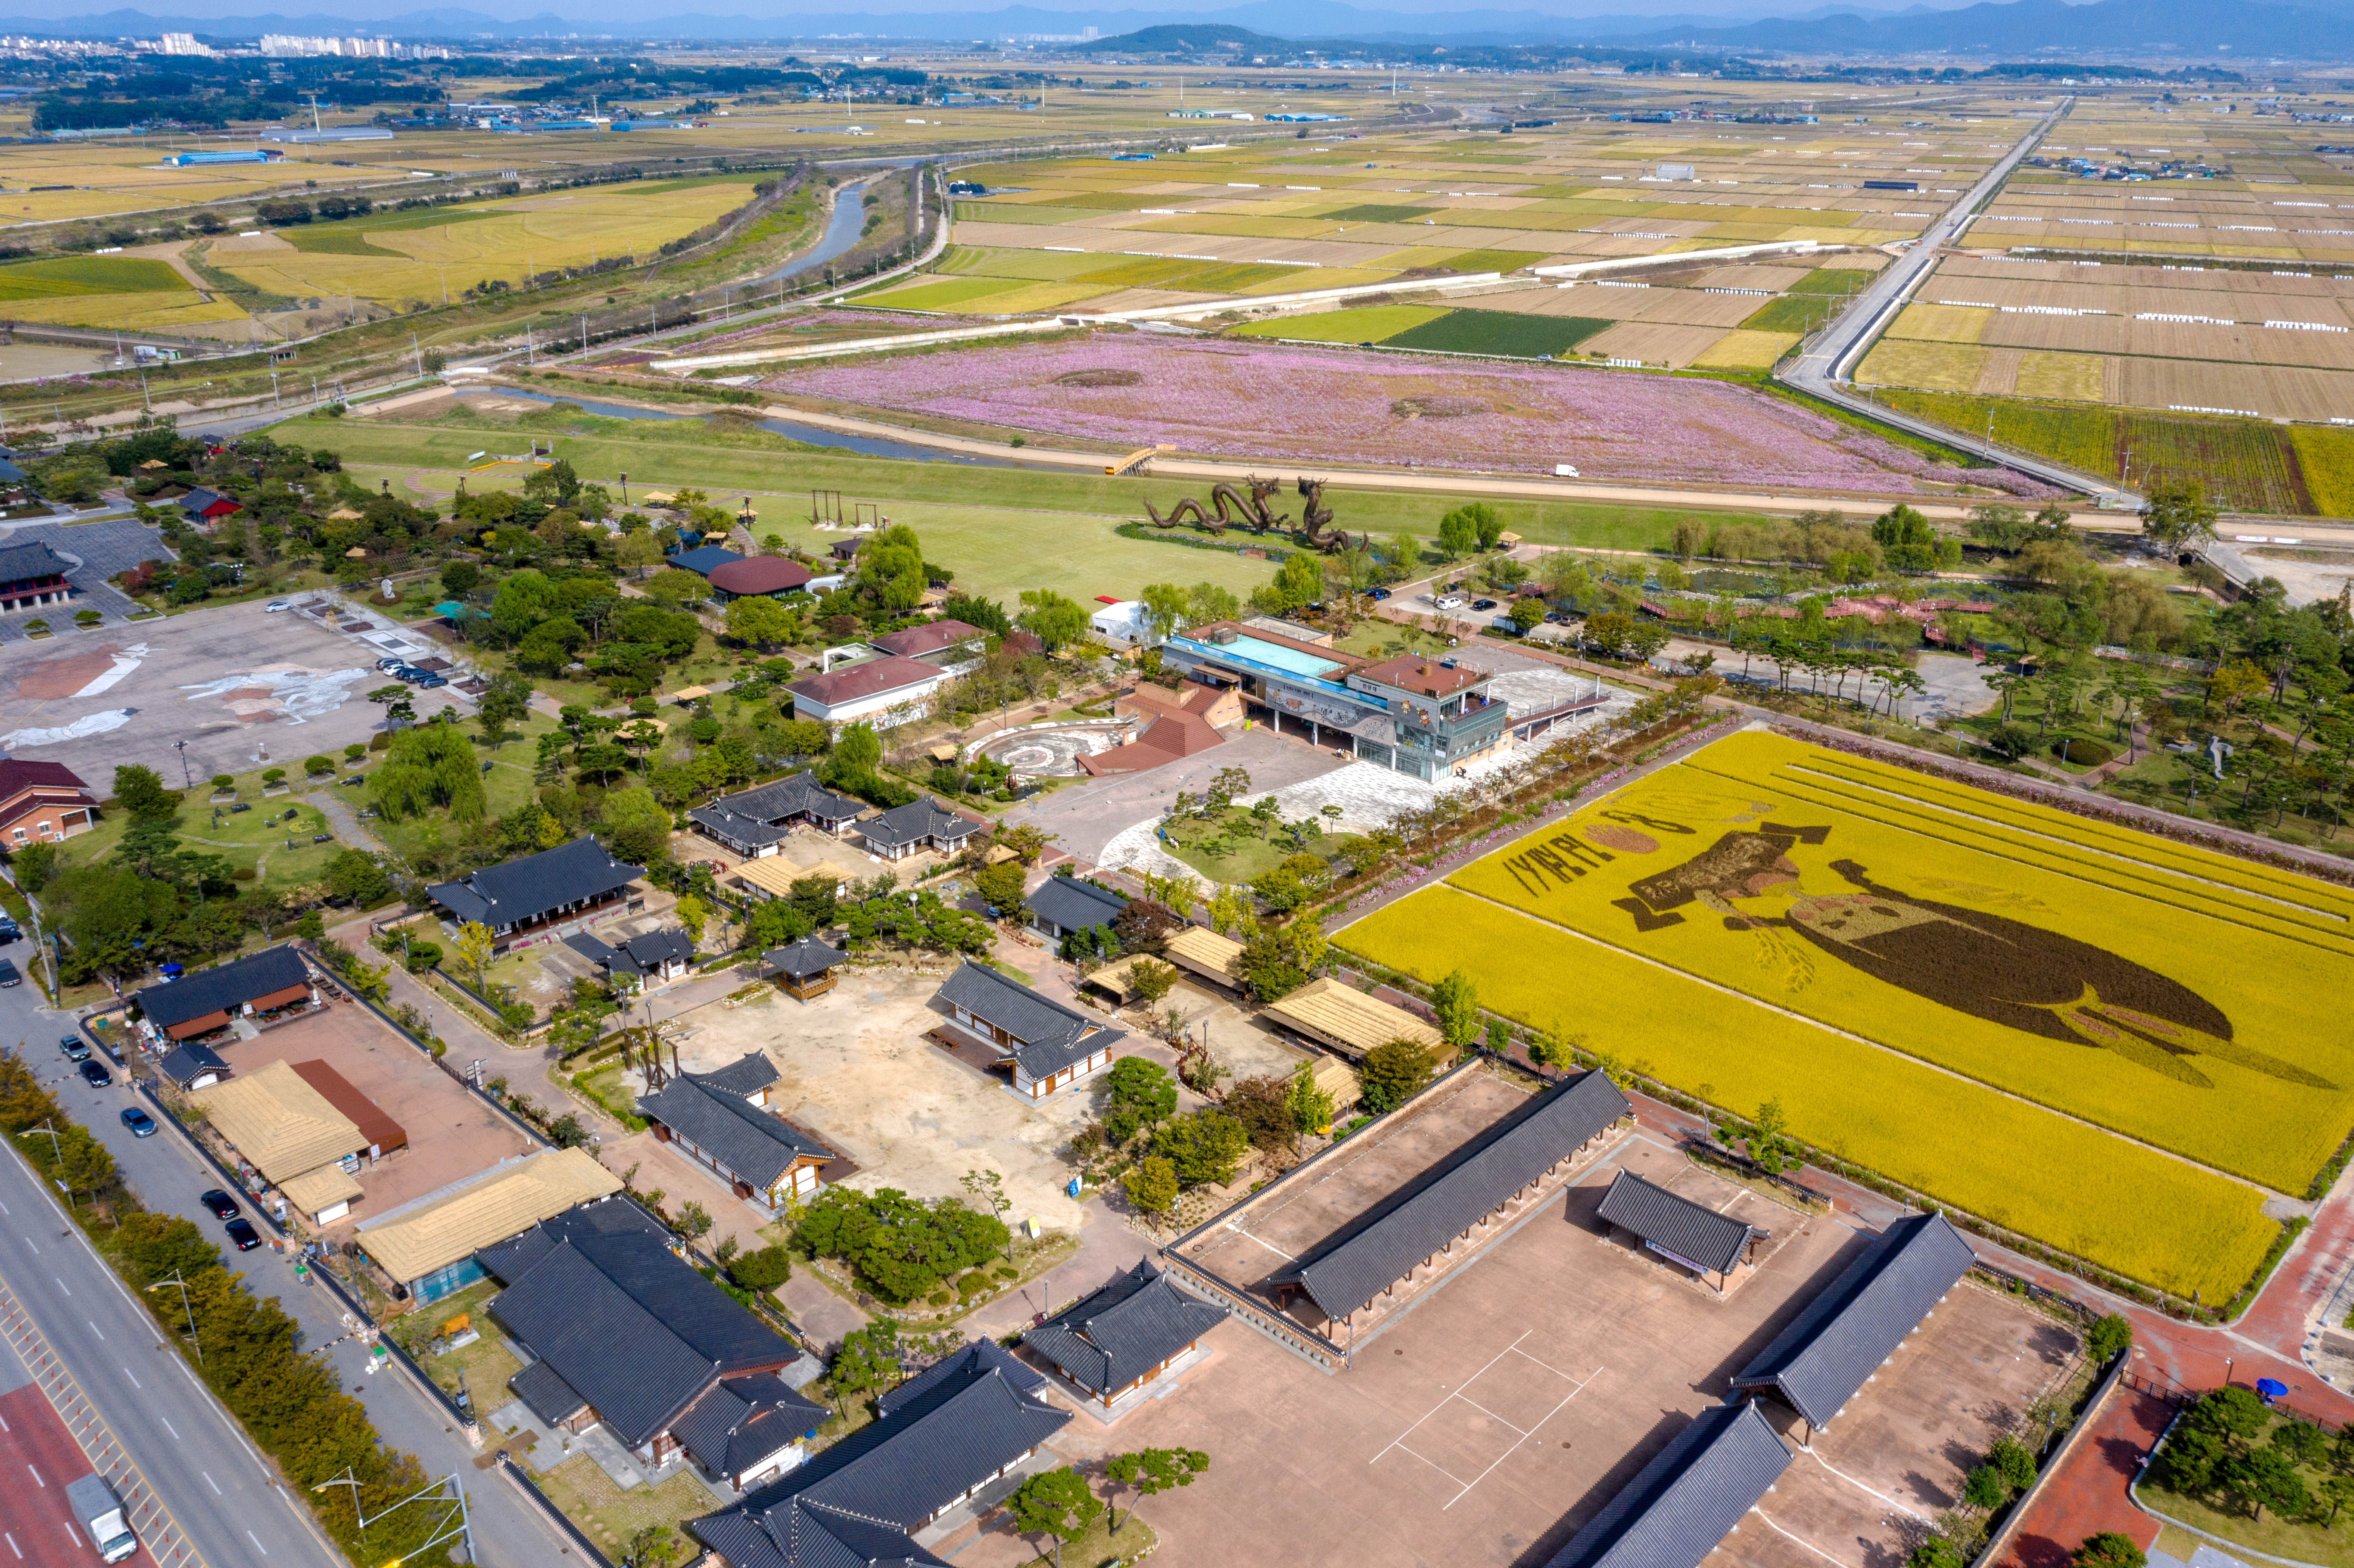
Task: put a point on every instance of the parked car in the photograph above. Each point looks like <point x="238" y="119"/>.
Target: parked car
<point x="386" y="666"/>
<point x="427" y="680"/>
<point x="9" y="931"/>
<point x="242" y="1233"/>
<point x="95" y="1074"/>
<point x="76" y="1048"/>
<point x="274" y="606"/>
<point x="140" y="1124"/>
<point x="221" y="1206"/>
<point x="1448" y="601"/>
<point x="1377" y="593"/>
<point x="8" y="975"/>
<point x="1483" y="604"/>
<point x="410" y="673"/>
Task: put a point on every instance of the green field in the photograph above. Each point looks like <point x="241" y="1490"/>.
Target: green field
<point x="71" y="275"/>
<point x="1793" y="313"/>
<point x="1499" y="332"/>
<point x="1373" y="323"/>
<point x="2249" y="465"/>
<point x="1953" y="988"/>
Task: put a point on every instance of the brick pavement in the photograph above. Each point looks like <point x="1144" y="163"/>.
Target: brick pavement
<point x="2088" y="1493"/>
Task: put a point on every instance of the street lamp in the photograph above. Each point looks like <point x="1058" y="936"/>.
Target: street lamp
<point x="186" y="778"/>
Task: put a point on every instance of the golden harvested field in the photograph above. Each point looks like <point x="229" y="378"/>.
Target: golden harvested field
<point x="1936" y="366"/>
<point x="1747" y="351"/>
<point x="2080" y="378"/>
<point x="1941" y="322"/>
<point x="1954" y="988"/>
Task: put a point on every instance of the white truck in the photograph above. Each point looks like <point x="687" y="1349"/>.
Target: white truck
<point x="100" y="1513"/>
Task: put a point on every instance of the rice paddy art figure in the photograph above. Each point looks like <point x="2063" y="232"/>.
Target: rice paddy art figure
<point x="1988" y="966"/>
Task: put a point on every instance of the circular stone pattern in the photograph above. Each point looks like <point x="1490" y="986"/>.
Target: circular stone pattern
<point x="1053" y="753"/>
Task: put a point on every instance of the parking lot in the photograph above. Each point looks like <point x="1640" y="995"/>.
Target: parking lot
<point x="245" y="689"/>
<point x="1490" y="1421"/>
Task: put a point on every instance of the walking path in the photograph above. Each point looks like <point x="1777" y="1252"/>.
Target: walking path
<point x="2088" y="1494"/>
<point x="345" y="820"/>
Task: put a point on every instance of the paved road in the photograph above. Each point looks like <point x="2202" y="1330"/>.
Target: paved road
<point x="40" y="1458"/>
<point x="192" y="1452"/>
<point x="1822" y="369"/>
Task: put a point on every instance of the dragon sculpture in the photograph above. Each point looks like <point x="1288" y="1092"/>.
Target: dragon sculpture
<point x="1316" y="521"/>
<point x="1231" y="506"/>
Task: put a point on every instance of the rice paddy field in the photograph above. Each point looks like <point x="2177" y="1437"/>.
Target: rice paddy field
<point x="2161" y="260"/>
<point x="1244" y="231"/>
<point x="2073" y="1030"/>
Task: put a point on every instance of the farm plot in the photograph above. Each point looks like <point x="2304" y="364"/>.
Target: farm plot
<point x="1936" y="982"/>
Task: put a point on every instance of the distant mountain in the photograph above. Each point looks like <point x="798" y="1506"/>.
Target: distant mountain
<point x="2198" y="29"/>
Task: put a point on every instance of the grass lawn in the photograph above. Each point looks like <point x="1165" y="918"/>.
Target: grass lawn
<point x="254" y="840"/>
<point x="506" y="786"/>
<point x="986" y="523"/>
<point x="613" y="1517"/>
<point x="605" y="1089"/>
<point x="2270" y="1535"/>
<point x="1238" y="847"/>
<point x="417" y="1329"/>
<point x="1099" y="1548"/>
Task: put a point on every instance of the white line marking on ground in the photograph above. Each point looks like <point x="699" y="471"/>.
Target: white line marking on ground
<point x="212" y="1483"/>
<point x="1269" y="1245"/>
<point x="1517" y="1442"/>
<point x="1808" y="1544"/>
<point x="1400" y="1440"/>
<point x="95" y="1328"/>
<point x="257" y="1543"/>
<point x="134" y="1377"/>
<point x="169" y="1427"/>
<point x="36" y="1479"/>
<point x="13" y="1546"/>
<point x="1858" y="1486"/>
<point x="1432" y="1463"/>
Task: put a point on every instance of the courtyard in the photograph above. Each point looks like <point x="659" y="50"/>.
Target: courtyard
<point x="1490" y="1421"/>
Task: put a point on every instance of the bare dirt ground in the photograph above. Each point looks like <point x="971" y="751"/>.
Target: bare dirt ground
<point x="1490" y="1422"/>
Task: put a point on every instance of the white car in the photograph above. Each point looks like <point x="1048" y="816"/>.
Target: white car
<point x="1448" y="601"/>
<point x="274" y="606"/>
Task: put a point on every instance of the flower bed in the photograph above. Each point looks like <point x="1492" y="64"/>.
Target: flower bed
<point x="1294" y="403"/>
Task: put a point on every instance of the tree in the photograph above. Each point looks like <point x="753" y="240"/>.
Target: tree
<point x="140" y="791"/>
<point x="1229" y="910"/>
<point x="1151" y="1472"/>
<point x="2191" y="1458"/>
<point x="2265" y="1478"/>
<point x="1026" y="841"/>
<point x="1057" y="1504"/>
<point x="636" y="825"/>
<point x="987" y="1191"/>
<point x="1051" y="618"/>
<point x="693" y="914"/>
<point x="2234" y="1413"/>
<point x="1937" y="1551"/>
<point x="1206" y="1146"/>
<point x="1151" y="1185"/>
<point x="1458" y="531"/>
<point x="1168" y="609"/>
<point x="1311" y="1109"/>
<point x="2014" y="1461"/>
<point x="656" y="1546"/>
<point x="1394" y="1072"/>
<point x="1001" y="887"/>
<point x="867" y="1361"/>
<point x="766" y="1269"/>
<point x="1456" y="999"/>
<point x="2109" y="1337"/>
<point x="1527" y="613"/>
<point x="1138" y="1092"/>
<point x="2178" y="516"/>
<point x="475" y="940"/>
<point x="693" y="1221"/>
<point x="1984" y="1488"/>
<point x="760" y="620"/>
<point x="2108" y="1550"/>
<point x="1151" y="979"/>
<point x="504" y="702"/>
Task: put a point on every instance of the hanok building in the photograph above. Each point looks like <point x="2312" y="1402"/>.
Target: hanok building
<point x="620" y="1330"/>
<point x="1064" y="904"/>
<point x="804" y="970"/>
<point x="649" y="956"/>
<point x="758" y="577"/>
<point x="1424" y="717"/>
<point x="921" y="824"/>
<point x="1110" y="1344"/>
<point x="278" y="1123"/>
<point x="1048" y="1045"/>
<point x="30" y="574"/>
<point x="723" y="1121"/>
<point x="1710" y="1244"/>
<point x="1341" y="1018"/>
<point x="1693" y="1493"/>
<point x="542" y="895"/>
<point x="43" y="802"/>
<point x="958" y="1430"/>
<point x="193" y="1066"/>
<point x="1204" y="952"/>
<point x="754" y="822"/>
<point x="269" y="984"/>
<point x="1832" y="1348"/>
<point x="206" y="507"/>
<point x="1451" y="1204"/>
<point x="427" y="1246"/>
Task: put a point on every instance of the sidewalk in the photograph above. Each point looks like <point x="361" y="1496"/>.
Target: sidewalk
<point x="2088" y="1493"/>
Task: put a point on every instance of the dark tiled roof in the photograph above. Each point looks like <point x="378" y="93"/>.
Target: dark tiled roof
<point x="923" y="817"/>
<point x="1052" y="1036"/>
<point x="597" y="1295"/>
<point x="1067" y="903"/>
<point x="1820" y="1362"/>
<point x="744" y="833"/>
<point x="203" y="500"/>
<point x="192" y="1061"/>
<point x="1681" y="1504"/>
<point x="751" y="1071"/>
<point x="798" y="1533"/>
<point x="526" y="889"/>
<point x="651" y="949"/>
<point x="743" y="1420"/>
<point x="1107" y="1340"/>
<point x="1691" y="1232"/>
<point x="549" y="1397"/>
<point x="751" y="1143"/>
<point x="800" y="795"/>
<point x="938" y="1437"/>
<point x="704" y="560"/>
<point x="1363" y="1261"/>
<point x="810" y="956"/>
<point x="222" y="989"/>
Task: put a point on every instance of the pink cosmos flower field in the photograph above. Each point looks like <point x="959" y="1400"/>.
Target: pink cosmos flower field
<point x="1229" y="398"/>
